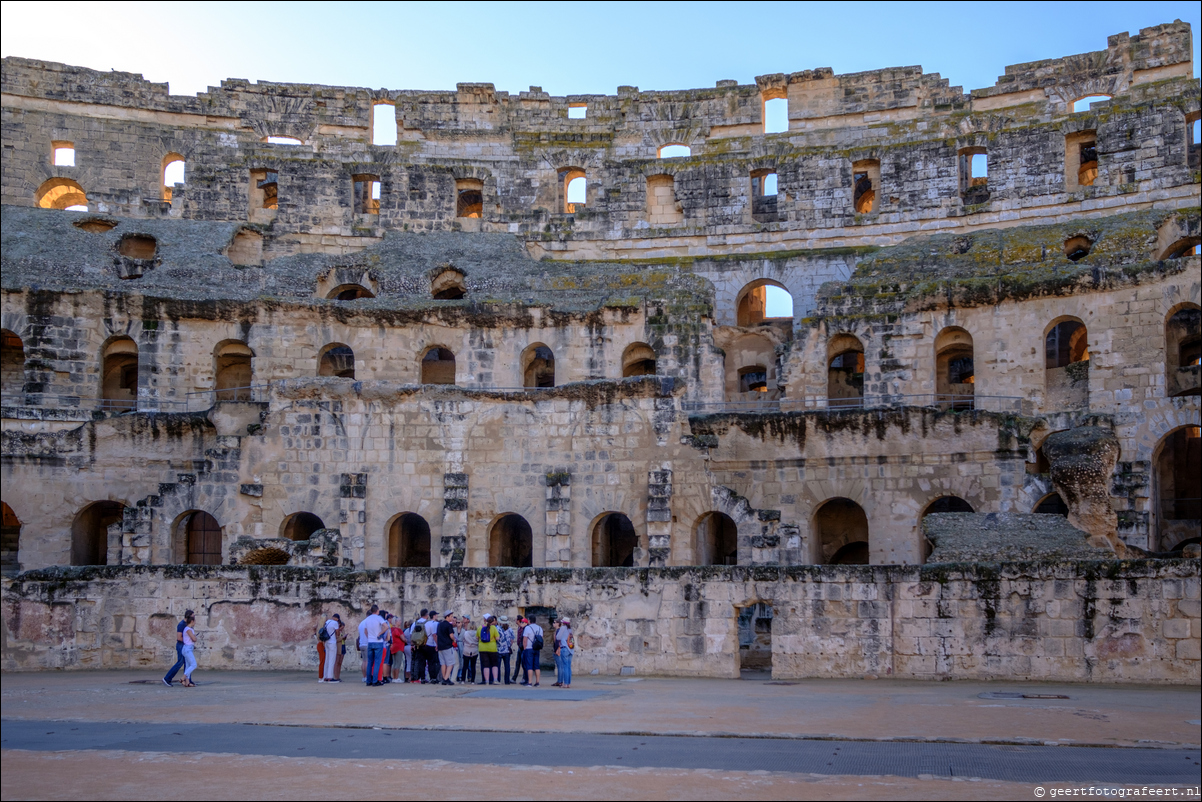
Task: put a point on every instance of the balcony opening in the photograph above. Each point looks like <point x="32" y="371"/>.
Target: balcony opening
<point x="438" y="366"/>
<point x="614" y="541"/>
<point x="63" y="194"/>
<point x="638" y="359"/>
<point x="174" y="168"/>
<point x="469" y="198"/>
<point x="232" y="371"/>
<point x="776" y="113"/>
<point x="1178" y="488"/>
<point x="119" y="374"/>
<point x="383" y="124"/>
<point x="662" y="206"/>
<point x="573" y="188"/>
<point x="300" y="526"/>
<point x="336" y="360"/>
<point x="90" y="532"/>
<point x="765" y="301"/>
<point x="1080" y="160"/>
<point x="750" y="369"/>
<point x="449" y="285"/>
<point x="263" y="195"/>
<point x="409" y="542"/>
<point x="538" y="366"/>
<point x="866" y="180"/>
<point x="350" y="292"/>
<point x="955" y="382"/>
<point x="577" y="111"/>
<point x="974" y="176"/>
<point x="1082" y="104"/>
<point x="367" y="194"/>
<point x="511" y="542"/>
<point x="764" y="196"/>
<point x="1183" y="352"/>
<point x="62" y="154"/>
<point x="716" y="540"/>
<point x="1066" y="363"/>
<point x="675" y="151"/>
<point x="842" y="529"/>
<point x="753" y="379"/>
<point x="845" y="372"/>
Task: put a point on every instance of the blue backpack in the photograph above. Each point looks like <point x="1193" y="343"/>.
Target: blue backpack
<point x="484" y="634"/>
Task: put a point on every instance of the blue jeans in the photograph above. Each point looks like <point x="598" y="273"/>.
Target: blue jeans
<point x="505" y="667"/>
<point x="375" y="654"/>
<point x="179" y="662"/>
<point x="563" y="667"/>
<point x="189" y="660"/>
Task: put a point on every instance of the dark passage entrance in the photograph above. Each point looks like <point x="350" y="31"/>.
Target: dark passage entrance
<point x="511" y="542"/>
<point x="614" y="541"/>
<point x="755" y="637"/>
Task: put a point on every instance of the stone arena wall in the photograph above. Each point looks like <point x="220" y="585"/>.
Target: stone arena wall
<point x="1124" y="622"/>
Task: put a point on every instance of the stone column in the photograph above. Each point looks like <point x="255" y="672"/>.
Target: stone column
<point x="454" y="520"/>
<point x="352" y="507"/>
<point x="559" y="520"/>
<point x="659" y="516"/>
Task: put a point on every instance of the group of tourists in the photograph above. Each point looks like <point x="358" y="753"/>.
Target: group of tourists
<point x="430" y="649"/>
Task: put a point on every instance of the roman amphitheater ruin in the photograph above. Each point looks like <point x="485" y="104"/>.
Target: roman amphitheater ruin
<point x="906" y="385"/>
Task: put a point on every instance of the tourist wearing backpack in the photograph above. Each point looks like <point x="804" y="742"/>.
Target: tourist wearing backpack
<point x="532" y="642"/>
<point x="327" y="645"/>
<point x="517" y="663"/>
<point x="488" y="638"/>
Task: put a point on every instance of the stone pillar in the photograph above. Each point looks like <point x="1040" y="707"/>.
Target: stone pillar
<point x="454" y="520"/>
<point x="659" y="516"/>
<point x="352" y="507"/>
<point x="559" y="520"/>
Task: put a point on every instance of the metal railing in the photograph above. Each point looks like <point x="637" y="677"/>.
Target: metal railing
<point x="944" y="402"/>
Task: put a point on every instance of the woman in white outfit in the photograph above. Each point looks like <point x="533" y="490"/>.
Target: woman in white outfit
<point x="327" y="669"/>
<point x="188" y="650"/>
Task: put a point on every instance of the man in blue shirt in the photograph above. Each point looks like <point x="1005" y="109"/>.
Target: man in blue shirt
<point x="179" y="645"/>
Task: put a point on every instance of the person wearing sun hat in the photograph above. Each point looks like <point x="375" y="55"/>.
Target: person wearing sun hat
<point x="505" y="647"/>
<point x="565" y="645"/>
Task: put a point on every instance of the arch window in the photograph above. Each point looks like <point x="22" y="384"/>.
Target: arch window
<point x="232" y="371"/>
<point x="1066" y="360"/>
<point x="409" y="542"/>
<point x="366" y="194"/>
<point x="573" y="188"/>
<point x="974" y="175"/>
<point x="1183" y="352"/>
<point x="438" y="366"/>
<point x="12" y="364"/>
<point x="716" y="540"/>
<point x="776" y="111"/>
<point x="955" y="380"/>
<point x="119" y="374"/>
<point x="383" y="124"/>
<point x="1186" y="246"/>
<point x="675" y="150"/>
<point x="511" y="542"/>
<point x="469" y="198"/>
<point x="449" y="285"/>
<point x="614" y="541"/>
<point x="300" y="526"/>
<point x="61" y="193"/>
<point x="264" y="198"/>
<point x="639" y="359"/>
<point x="764" y="301"/>
<point x="202" y="536"/>
<point x="1051" y="504"/>
<point x="941" y="505"/>
<point x="538" y="366"/>
<point x="350" y="292"/>
<point x="1066" y="343"/>
<point x="866" y="182"/>
<point x="842" y="530"/>
<point x="174" y="168"/>
<point x="751" y="369"/>
<point x="10" y="540"/>
<point x="1083" y="103"/>
<point x="845" y="372"/>
<point x="1178" y="494"/>
<point x="336" y="360"/>
<point x="1080" y="159"/>
<point x="89" y="532"/>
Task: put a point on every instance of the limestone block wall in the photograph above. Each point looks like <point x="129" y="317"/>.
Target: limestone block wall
<point x="1130" y="622"/>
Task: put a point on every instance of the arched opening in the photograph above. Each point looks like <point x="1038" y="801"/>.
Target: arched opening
<point x="753" y="379"/>
<point x="866" y="180"/>
<point x="90" y="532"/>
<point x="750" y="364"/>
<point x="1183" y="352"/>
<point x="300" y="526"/>
<point x="202" y="539"/>
<point x="349" y="292"/>
<point x="438" y="366"/>
<point x="939" y="505"/>
<point x="716" y="540"/>
<point x="232" y="371"/>
<point x="776" y="111"/>
<point x="1186" y="246"/>
<point x="538" y="366"/>
<point x="61" y="193"/>
<point x="449" y="285"/>
<point x="765" y="301"/>
<point x="1066" y="374"/>
<point x="336" y="360"/>
<point x="614" y="541"/>
<point x="639" y="359"/>
<point x="1077" y="248"/>
<point x="511" y="542"/>
<point x="845" y="371"/>
<point x="119" y="374"/>
<point x="174" y="168"/>
<point x="469" y="198"/>
<point x="754" y="626"/>
<point x="10" y="540"/>
<point x="1082" y="103"/>
<point x="573" y="188"/>
<point x="12" y="365"/>
<point x="842" y="533"/>
<point x="1178" y="495"/>
<point x="409" y="542"/>
<point x="1051" y="504"/>
<point x="674" y="151"/>
<point x="954" y="379"/>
